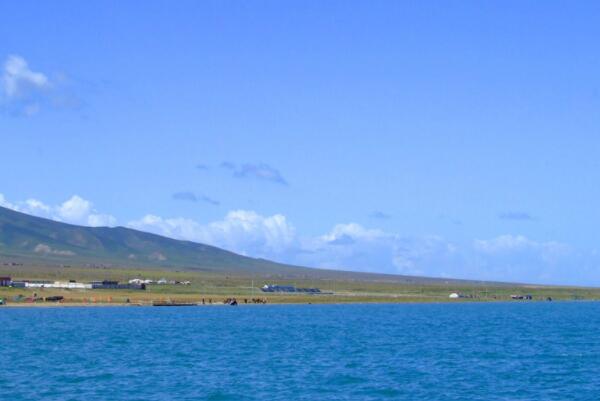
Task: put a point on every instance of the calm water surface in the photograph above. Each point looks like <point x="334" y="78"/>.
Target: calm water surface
<point x="518" y="351"/>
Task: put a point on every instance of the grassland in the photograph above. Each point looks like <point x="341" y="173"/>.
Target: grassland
<point x="217" y="287"/>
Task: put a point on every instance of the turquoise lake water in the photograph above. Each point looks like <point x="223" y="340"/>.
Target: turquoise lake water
<point x="512" y="351"/>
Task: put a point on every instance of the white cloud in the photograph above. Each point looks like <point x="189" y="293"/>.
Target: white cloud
<point x="37" y="207"/>
<point x="77" y="210"/>
<point x="19" y="80"/>
<point x="355" y="247"/>
<point x="504" y="243"/>
<point x="30" y="206"/>
<point x="428" y="255"/>
<point x="518" y="258"/>
<point x="252" y="231"/>
<point x="241" y="231"/>
<point x="24" y="92"/>
<point x="101" y="220"/>
<point x="247" y="232"/>
<point x="74" y="210"/>
<point x="349" y="246"/>
<point x="518" y="243"/>
<point x="352" y="231"/>
<point x="178" y="228"/>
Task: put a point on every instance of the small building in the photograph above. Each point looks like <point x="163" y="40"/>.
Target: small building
<point x="37" y="284"/>
<point x="114" y="285"/>
<point x="104" y="282"/>
<point x="278" y="288"/>
<point x="288" y="288"/>
<point x="309" y="290"/>
<point x="527" y="297"/>
<point x="140" y="281"/>
<point x="71" y="285"/>
<point x="5" y="281"/>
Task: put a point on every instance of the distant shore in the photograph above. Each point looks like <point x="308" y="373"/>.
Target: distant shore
<point x="316" y="302"/>
<point x="213" y="288"/>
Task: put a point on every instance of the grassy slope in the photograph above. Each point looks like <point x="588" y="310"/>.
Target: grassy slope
<point x="21" y="234"/>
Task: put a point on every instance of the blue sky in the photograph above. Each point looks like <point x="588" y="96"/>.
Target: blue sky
<point x="454" y="139"/>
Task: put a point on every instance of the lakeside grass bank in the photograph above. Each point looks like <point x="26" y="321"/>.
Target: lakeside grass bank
<point x="218" y="287"/>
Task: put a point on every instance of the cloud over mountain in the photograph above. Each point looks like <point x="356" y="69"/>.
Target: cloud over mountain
<point x="242" y="231"/>
<point x="74" y="210"/>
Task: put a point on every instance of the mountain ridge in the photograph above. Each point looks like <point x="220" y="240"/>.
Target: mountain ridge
<point x="23" y="236"/>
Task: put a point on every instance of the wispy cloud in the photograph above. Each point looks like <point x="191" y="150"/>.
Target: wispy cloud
<point x="450" y="219"/>
<point x="516" y="215"/>
<point x="24" y="92"/>
<point x="260" y="171"/>
<point x="192" y="197"/>
<point x="185" y="196"/>
<point x="201" y="166"/>
<point x="378" y="214"/>
<point x="18" y="79"/>
<point x="227" y="165"/>
<point x="207" y="199"/>
<point x="524" y="248"/>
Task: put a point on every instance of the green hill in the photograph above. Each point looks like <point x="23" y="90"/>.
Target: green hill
<point x="33" y="239"/>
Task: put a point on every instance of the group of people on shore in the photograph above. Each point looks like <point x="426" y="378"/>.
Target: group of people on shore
<point x="234" y="301"/>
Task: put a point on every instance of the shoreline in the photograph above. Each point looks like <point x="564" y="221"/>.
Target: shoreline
<point x="424" y="302"/>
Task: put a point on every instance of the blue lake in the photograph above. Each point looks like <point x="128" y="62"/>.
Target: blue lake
<point x="504" y="351"/>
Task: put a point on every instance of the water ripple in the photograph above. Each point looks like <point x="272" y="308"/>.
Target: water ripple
<point x="518" y="351"/>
